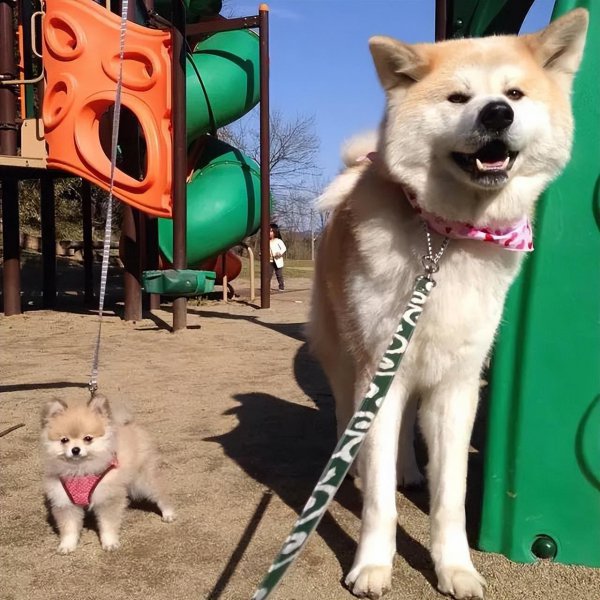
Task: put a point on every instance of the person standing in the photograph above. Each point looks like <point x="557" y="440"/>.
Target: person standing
<point x="277" y="250"/>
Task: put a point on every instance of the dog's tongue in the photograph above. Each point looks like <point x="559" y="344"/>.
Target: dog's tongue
<point x="492" y="165"/>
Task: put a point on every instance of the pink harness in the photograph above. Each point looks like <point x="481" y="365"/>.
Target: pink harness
<point x="81" y="487"/>
<point x="517" y="237"/>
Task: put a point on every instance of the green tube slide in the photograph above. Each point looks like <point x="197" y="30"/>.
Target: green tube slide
<point x="223" y="196"/>
<point x="222" y="81"/>
<point x="223" y="203"/>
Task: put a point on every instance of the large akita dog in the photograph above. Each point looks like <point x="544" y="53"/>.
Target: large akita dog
<point x="473" y="131"/>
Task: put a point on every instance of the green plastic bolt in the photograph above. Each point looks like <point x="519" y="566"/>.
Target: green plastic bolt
<point x="544" y="547"/>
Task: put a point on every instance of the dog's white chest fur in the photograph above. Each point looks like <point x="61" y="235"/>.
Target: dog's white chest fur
<point x="462" y="312"/>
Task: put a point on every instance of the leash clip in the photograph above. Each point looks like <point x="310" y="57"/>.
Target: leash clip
<point x="430" y="264"/>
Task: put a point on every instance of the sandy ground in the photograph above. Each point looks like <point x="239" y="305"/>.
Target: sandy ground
<point x="244" y="421"/>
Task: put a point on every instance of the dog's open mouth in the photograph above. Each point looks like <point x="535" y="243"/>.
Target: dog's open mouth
<point x="489" y="165"/>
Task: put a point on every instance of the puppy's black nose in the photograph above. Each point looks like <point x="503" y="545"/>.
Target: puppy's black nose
<point x="75" y="450"/>
<point x="496" y="116"/>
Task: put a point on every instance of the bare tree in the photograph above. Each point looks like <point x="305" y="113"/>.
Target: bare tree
<point x="293" y="152"/>
<point x="295" y="174"/>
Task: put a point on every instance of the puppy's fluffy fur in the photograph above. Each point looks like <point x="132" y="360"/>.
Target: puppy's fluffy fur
<point x="83" y="438"/>
<point x="435" y="141"/>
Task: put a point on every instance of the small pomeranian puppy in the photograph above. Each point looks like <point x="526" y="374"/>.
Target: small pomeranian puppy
<point x="94" y="458"/>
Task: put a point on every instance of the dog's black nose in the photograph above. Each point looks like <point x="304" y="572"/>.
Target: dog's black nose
<point x="75" y="450"/>
<point x="496" y="116"/>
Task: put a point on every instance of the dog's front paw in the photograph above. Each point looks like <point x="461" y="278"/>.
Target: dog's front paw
<point x="370" y="581"/>
<point x="168" y="515"/>
<point x="67" y="545"/>
<point x="461" y="582"/>
<point x="110" y="543"/>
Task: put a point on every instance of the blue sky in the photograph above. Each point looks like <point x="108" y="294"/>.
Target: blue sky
<point x="321" y="65"/>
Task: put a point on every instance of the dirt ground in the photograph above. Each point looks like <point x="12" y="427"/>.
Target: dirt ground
<point x="244" y="421"/>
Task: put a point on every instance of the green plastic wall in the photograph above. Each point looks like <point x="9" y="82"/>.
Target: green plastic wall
<point x="542" y="460"/>
<point x="223" y="203"/>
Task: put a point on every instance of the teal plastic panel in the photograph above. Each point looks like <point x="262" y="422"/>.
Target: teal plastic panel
<point x="178" y="282"/>
<point x="542" y="469"/>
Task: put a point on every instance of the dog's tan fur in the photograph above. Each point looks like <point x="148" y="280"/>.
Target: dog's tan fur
<point x="369" y="257"/>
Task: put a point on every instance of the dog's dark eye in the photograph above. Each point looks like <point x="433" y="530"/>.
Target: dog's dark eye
<point x="64" y="440"/>
<point x="514" y="94"/>
<point x="88" y="438"/>
<point x="458" y="98"/>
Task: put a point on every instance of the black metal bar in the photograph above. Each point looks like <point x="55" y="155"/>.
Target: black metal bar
<point x="179" y="159"/>
<point x="8" y="66"/>
<point x="11" y="271"/>
<point x="152" y="251"/>
<point x="441" y="22"/>
<point x="265" y="192"/>
<point x="128" y="249"/>
<point x="88" y="244"/>
<point x="48" y="242"/>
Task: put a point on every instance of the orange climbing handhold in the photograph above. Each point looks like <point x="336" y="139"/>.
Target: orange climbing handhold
<point x="81" y="62"/>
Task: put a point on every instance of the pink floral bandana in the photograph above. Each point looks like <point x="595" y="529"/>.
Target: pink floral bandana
<point x="81" y="487"/>
<point x="518" y="237"/>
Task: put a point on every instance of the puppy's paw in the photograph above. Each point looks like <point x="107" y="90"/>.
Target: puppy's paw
<point x="67" y="545"/>
<point x="461" y="582"/>
<point x="370" y="581"/>
<point x="168" y="515"/>
<point x="110" y="543"/>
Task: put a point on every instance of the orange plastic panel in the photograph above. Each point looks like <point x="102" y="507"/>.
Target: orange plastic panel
<point x="81" y="60"/>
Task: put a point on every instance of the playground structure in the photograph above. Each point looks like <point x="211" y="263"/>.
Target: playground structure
<point x="187" y="71"/>
<point x="542" y="462"/>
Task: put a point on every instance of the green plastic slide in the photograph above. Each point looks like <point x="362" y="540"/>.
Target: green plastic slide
<point x="542" y="460"/>
<point x="223" y="203"/>
<point x="222" y="81"/>
<point x="223" y="196"/>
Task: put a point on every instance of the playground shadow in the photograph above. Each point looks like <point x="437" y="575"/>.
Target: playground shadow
<point x="49" y="385"/>
<point x="292" y="330"/>
<point x="285" y="446"/>
<point x="69" y="283"/>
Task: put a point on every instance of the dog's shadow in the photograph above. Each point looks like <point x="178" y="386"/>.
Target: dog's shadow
<point x="285" y="446"/>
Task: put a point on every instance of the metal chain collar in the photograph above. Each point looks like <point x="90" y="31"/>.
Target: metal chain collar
<point x="430" y="260"/>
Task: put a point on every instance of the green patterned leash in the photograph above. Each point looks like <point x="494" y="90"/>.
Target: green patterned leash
<point x="351" y="440"/>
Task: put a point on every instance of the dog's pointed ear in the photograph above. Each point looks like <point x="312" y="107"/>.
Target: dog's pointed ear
<point x="397" y="64"/>
<point x="559" y="47"/>
<point x="99" y="404"/>
<point x="52" y="408"/>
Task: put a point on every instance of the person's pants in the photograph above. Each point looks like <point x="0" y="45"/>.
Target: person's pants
<point x="278" y="273"/>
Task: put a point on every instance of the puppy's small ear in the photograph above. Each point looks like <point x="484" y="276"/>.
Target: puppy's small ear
<point x="559" y="47"/>
<point x="99" y="404"/>
<point x="52" y="408"/>
<point x="397" y="64"/>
